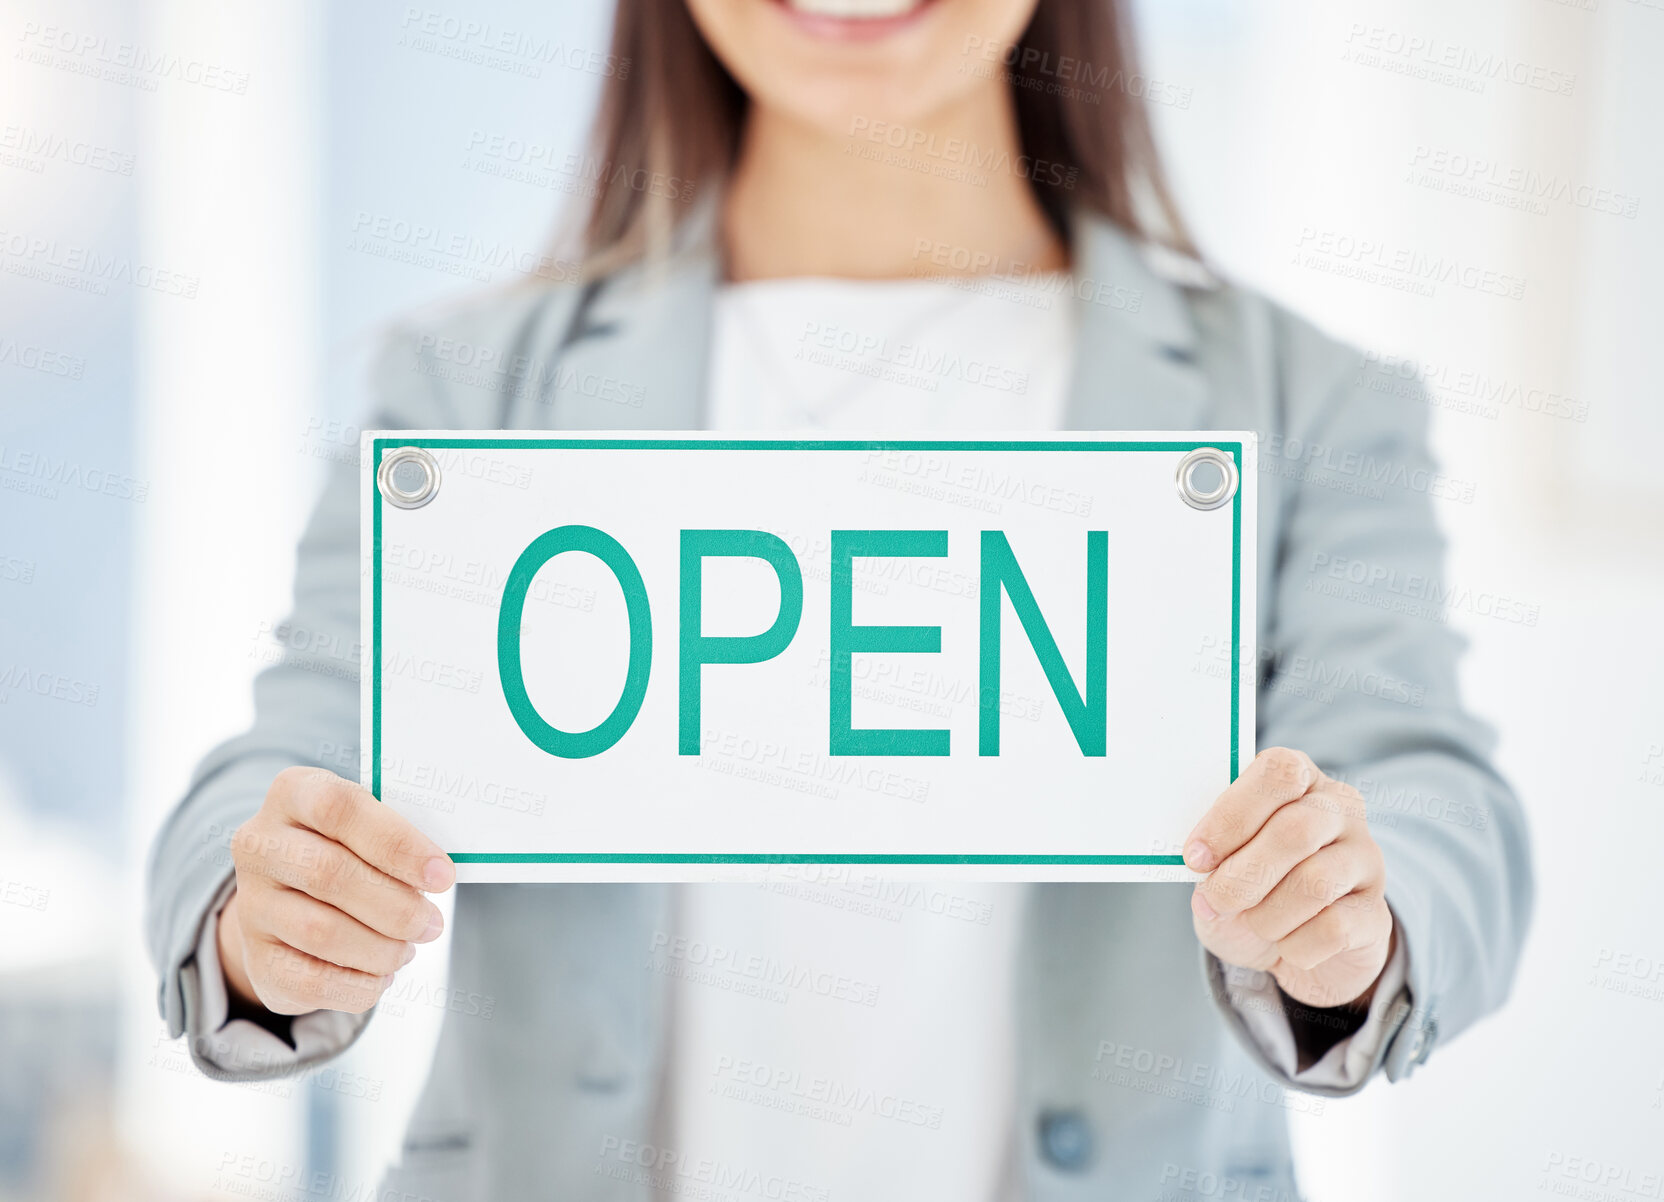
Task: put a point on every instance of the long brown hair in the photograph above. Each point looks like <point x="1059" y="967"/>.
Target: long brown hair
<point x="671" y="112"/>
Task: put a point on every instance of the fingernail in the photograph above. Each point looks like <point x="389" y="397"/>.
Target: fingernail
<point x="1199" y="856"/>
<point x="438" y="873"/>
<point x="1199" y="903"/>
<point x="436" y="923"/>
<point x="409" y="954"/>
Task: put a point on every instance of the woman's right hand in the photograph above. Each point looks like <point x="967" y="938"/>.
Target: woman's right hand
<point x="329" y="902"/>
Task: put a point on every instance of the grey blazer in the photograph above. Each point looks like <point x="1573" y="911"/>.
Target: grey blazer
<point x="1136" y="1078"/>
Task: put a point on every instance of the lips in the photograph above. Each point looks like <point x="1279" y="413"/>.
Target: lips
<point x="855" y="10"/>
<point x="861" y="21"/>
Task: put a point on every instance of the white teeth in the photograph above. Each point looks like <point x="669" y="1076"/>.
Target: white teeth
<point x="855" y="8"/>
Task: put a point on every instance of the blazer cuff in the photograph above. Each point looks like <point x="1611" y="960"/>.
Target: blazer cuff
<point x="192" y="870"/>
<point x="231" y="1049"/>
<point x="1254" y="1009"/>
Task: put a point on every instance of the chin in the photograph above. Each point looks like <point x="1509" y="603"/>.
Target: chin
<point x="828" y="63"/>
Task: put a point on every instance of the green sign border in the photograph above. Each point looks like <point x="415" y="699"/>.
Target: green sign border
<point x="379" y="445"/>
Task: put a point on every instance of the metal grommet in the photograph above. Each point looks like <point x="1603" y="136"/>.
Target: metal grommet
<point x="1065" y="1139"/>
<point x="1216" y="496"/>
<point x="408" y="477"/>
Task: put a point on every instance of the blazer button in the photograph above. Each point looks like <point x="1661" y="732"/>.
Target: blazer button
<point x="1065" y="1139"/>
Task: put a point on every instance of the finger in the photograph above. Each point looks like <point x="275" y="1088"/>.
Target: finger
<point x="351" y="815"/>
<point x="1318" y="881"/>
<point x="1353" y="922"/>
<point x="1229" y="939"/>
<point x="288" y="981"/>
<point x="321" y="868"/>
<point x="308" y="925"/>
<point x="1274" y="778"/>
<point x="1291" y="834"/>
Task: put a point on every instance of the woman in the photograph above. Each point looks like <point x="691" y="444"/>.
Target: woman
<point x="974" y="177"/>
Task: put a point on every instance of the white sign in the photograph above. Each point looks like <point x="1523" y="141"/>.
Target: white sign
<point x="699" y="657"/>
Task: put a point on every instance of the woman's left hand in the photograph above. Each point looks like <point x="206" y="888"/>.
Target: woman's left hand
<point x="1296" y="883"/>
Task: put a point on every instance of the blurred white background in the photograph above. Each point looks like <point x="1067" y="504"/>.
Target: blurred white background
<point x="205" y="216"/>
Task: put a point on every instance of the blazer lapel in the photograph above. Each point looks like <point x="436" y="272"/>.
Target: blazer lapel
<point x="637" y="354"/>
<point x="1135" y="342"/>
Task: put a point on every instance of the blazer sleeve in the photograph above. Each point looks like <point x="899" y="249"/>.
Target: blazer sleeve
<point x="306" y="712"/>
<point x="1360" y="672"/>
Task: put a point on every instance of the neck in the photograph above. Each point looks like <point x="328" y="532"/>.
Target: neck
<point x="804" y="202"/>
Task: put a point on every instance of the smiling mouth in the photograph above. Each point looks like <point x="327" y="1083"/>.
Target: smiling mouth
<point x="855" y="10"/>
<point x="853" y="18"/>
